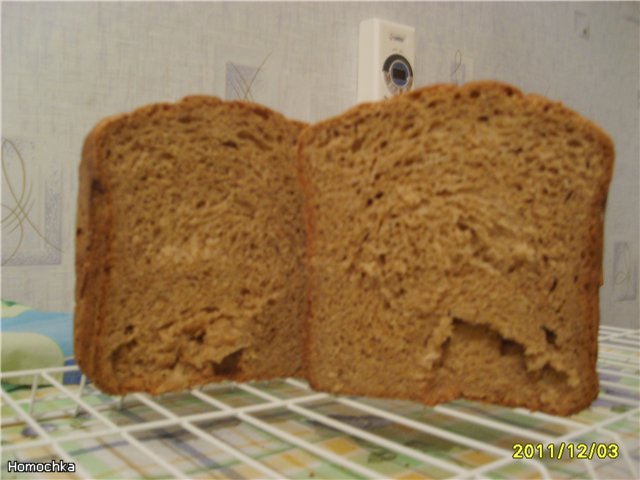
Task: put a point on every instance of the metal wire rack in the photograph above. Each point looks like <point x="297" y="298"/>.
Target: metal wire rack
<point x="282" y="429"/>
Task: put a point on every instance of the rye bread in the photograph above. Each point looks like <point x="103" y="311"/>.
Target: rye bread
<point x="190" y="245"/>
<point x="454" y="248"/>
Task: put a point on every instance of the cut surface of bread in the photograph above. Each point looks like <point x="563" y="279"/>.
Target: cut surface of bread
<point x="190" y="244"/>
<point x="455" y="248"/>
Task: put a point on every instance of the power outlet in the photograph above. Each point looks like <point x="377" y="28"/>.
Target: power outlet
<point x="625" y="273"/>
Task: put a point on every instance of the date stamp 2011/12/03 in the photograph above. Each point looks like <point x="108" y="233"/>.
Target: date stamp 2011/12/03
<point x="582" y="451"/>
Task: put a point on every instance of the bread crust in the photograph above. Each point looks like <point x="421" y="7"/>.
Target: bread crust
<point x="595" y="240"/>
<point x="91" y="250"/>
<point x="94" y="247"/>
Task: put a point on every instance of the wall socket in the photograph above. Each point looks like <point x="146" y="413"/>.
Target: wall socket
<point x="625" y="273"/>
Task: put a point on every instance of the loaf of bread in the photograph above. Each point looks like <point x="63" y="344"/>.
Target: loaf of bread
<point x="454" y="244"/>
<point x="190" y="244"/>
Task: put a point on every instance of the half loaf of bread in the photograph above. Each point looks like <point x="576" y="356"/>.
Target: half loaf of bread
<point x="455" y="248"/>
<point x="190" y="245"/>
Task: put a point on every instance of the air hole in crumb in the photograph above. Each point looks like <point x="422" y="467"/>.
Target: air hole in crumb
<point x="497" y="112"/>
<point x="244" y="135"/>
<point x="550" y="335"/>
<point x="97" y="186"/>
<point x="379" y="195"/>
<point x="575" y="279"/>
<point x="229" y="365"/>
<point x="262" y="113"/>
<point x="383" y="144"/>
<point x="457" y="96"/>
<point x="568" y="196"/>
<point x="509" y="91"/>
<point x="79" y="231"/>
<point x="483" y="118"/>
<point x="554" y="284"/>
<point x="244" y="292"/>
<point x="382" y="258"/>
<point x="574" y="143"/>
<point x="129" y="329"/>
<point x="369" y="202"/>
<point x="509" y="347"/>
<point x="230" y="144"/>
<point x="474" y="94"/>
<point x="462" y="226"/>
<point x="210" y="309"/>
<point x="200" y="204"/>
<point x="185" y="119"/>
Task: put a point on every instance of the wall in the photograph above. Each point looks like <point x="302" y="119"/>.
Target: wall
<point x="67" y="65"/>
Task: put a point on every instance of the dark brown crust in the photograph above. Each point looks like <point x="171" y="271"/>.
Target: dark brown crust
<point x="91" y="250"/>
<point x="94" y="220"/>
<point x="595" y="240"/>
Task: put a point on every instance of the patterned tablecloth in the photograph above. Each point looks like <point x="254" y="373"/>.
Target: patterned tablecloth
<point x="244" y="418"/>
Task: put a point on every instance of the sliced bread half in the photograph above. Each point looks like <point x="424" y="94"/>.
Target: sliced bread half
<point x="455" y="248"/>
<point x="190" y="243"/>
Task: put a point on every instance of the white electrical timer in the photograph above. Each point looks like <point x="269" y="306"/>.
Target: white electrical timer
<point x="386" y="53"/>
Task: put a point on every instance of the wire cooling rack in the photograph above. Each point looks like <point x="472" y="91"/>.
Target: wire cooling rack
<point x="282" y="429"/>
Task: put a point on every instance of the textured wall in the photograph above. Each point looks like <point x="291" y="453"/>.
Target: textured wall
<point x="66" y="65"/>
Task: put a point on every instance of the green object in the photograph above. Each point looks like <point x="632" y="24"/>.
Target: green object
<point x="29" y="351"/>
<point x="12" y="309"/>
